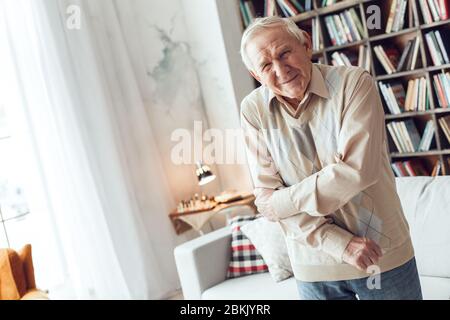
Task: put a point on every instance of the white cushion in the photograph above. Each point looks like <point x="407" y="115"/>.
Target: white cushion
<point x="426" y="202"/>
<point x="253" y="287"/>
<point x="434" y="288"/>
<point x="262" y="287"/>
<point x="268" y="239"/>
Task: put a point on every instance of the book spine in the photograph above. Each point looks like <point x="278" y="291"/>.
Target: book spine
<point x="396" y="170"/>
<point x="298" y="5"/>
<point x="394" y="137"/>
<point x="444" y="9"/>
<point x="432" y="49"/>
<point x="438" y="90"/>
<point x="331" y="33"/>
<point x="308" y="5"/>
<point x="393" y="99"/>
<point x="401" y="22"/>
<point x="245" y="17"/>
<point x="289" y="7"/>
<point x="286" y="13"/>
<point x="415" y="54"/>
<point x="425" y="11"/>
<point x="352" y="26"/>
<point x="434" y="11"/>
<point x="250" y="11"/>
<point x="441" y="46"/>
<point x="446" y="86"/>
<point x="390" y="20"/>
<point x="409" y="168"/>
<point x="397" y="15"/>
<point x="340" y="29"/>
<point x="445" y="128"/>
<point x="357" y="21"/>
<point x="401" y="133"/>
<point x="346" y="28"/>
<point x="445" y="92"/>
<point x="382" y="59"/>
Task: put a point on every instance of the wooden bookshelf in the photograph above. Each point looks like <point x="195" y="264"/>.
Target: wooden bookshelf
<point x="414" y="27"/>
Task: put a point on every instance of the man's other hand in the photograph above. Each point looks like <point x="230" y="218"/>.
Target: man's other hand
<point x="362" y="253"/>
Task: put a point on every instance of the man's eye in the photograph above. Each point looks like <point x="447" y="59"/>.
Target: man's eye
<point x="266" y="66"/>
<point x="284" y="53"/>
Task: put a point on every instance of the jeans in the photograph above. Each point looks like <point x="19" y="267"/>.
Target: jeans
<point x="401" y="283"/>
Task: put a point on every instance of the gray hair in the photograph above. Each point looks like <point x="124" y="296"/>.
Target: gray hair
<point x="264" y="23"/>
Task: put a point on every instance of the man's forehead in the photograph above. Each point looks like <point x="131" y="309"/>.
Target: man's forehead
<point x="263" y="43"/>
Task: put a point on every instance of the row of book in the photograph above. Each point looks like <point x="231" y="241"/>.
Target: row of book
<point x="345" y="27"/>
<point x="283" y="8"/>
<point x="248" y="12"/>
<point x="396" y="18"/>
<point x="441" y="84"/>
<point x="408" y="59"/>
<point x="438" y="52"/>
<point x="317" y="44"/>
<point x="415" y="99"/>
<point x="406" y="137"/>
<point x="413" y="168"/>
<point x="444" y="122"/>
<point x="326" y="3"/>
<point x="434" y="10"/>
<point x="389" y="56"/>
<point x="349" y="58"/>
<point x="287" y="8"/>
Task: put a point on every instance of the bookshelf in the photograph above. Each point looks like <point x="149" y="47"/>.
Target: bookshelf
<point x="416" y="26"/>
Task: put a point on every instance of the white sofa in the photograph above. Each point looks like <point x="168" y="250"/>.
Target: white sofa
<point x="202" y="263"/>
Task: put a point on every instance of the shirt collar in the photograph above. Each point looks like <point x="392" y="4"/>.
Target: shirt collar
<point x="316" y="85"/>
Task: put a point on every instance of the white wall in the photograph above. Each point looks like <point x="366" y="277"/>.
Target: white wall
<point x="185" y="54"/>
<point x="214" y="31"/>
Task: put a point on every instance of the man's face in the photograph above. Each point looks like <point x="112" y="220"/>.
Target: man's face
<point x="280" y="62"/>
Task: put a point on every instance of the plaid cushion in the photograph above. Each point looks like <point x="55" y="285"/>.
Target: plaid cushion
<point x="245" y="259"/>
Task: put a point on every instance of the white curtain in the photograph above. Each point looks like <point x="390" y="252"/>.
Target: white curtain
<point x="97" y="191"/>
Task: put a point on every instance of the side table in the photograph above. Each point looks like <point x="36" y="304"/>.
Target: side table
<point x="197" y="219"/>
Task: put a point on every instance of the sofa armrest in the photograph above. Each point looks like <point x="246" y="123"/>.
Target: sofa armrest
<point x="203" y="262"/>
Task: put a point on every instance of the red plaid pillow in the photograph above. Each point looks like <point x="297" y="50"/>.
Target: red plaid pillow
<point x="245" y="259"/>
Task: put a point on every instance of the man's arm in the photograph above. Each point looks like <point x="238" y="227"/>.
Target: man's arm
<point x="358" y="162"/>
<point x="315" y="232"/>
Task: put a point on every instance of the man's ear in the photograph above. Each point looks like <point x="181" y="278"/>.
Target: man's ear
<point x="254" y="75"/>
<point x="307" y="44"/>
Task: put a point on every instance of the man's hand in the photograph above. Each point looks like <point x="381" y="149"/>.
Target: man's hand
<point x="262" y="203"/>
<point x="362" y="253"/>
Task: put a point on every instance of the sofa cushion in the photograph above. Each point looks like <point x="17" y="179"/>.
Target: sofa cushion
<point x="245" y="259"/>
<point x="253" y="287"/>
<point x="435" y="288"/>
<point x="268" y="239"/>
<point x="427" y="210"/>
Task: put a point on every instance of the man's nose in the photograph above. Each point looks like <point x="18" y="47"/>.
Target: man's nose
<point x="281" y="70"/>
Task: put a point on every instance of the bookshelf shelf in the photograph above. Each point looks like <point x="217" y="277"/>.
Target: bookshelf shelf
<point x="441" y="110"/>
<point x="338" y="6"/>
<point x="393" y="34"/>
<point x="344" y="46"/>
<point x="418" y="72"/>
<point x="405" y="36"/>
<point x="419" y="154"/>
<point x="434" y="24"/>
<point x="408" y="114"/>
<point x="437" y="68"/>
<point x="304" y="16"/>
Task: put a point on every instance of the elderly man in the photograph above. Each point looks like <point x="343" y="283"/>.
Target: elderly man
<point x="316" y="147"/>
